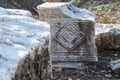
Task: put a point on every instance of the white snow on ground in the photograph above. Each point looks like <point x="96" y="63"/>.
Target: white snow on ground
<point x="18" y="33"/>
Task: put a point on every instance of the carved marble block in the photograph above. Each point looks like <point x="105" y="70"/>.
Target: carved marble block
<point x="72" y="42"/>
<point x="50" y="10"/>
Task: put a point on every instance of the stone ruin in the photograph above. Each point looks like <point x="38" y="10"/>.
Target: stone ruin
<point x="71" y="45"/>
<point x="72" y="42"/>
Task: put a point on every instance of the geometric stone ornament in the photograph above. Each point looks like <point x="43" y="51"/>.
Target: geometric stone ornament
<point x="72" y="41"/>
<point x="69" y="37"/>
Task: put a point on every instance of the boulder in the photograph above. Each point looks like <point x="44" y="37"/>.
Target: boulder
<point x="107" y="36"/>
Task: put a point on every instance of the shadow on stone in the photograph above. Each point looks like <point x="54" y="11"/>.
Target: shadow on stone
<point x="35" y="66"/>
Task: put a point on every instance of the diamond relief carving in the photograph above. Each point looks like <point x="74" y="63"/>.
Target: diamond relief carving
<point x="69" y="37"/>
<point x="70" y="40"/>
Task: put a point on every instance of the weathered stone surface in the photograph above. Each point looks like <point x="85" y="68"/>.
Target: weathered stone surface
<point x="48" y="10"/>
<point x="63" y="10"/>
<point x="72" y="42"/>
<point x="107" y="36"/>
<point x="115" y="65"/>
<point x="35" y="66"/>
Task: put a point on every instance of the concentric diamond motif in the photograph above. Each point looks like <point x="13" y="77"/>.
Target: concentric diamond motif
<point x="69" y="37"/>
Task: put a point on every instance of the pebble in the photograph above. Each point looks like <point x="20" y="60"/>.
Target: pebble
<point x="58" y="69"/>
<point x="102" y="71"/>
<point x="115" y="55"/>
<point x="69" y="78"/>
<point x="108" y="75"/>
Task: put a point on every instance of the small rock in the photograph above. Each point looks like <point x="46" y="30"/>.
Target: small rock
<point x="115" y="54"/>
<point x="58" y="69"/>
<point x="69" y="78"/>
<point x="115" y="65"/>
<point x="102" y="71"/>
<point x="108" y="75"/>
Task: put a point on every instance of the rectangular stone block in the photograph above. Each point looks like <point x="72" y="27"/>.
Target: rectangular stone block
<point x="72" y="42"/>
<point x="51" y="10"/>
